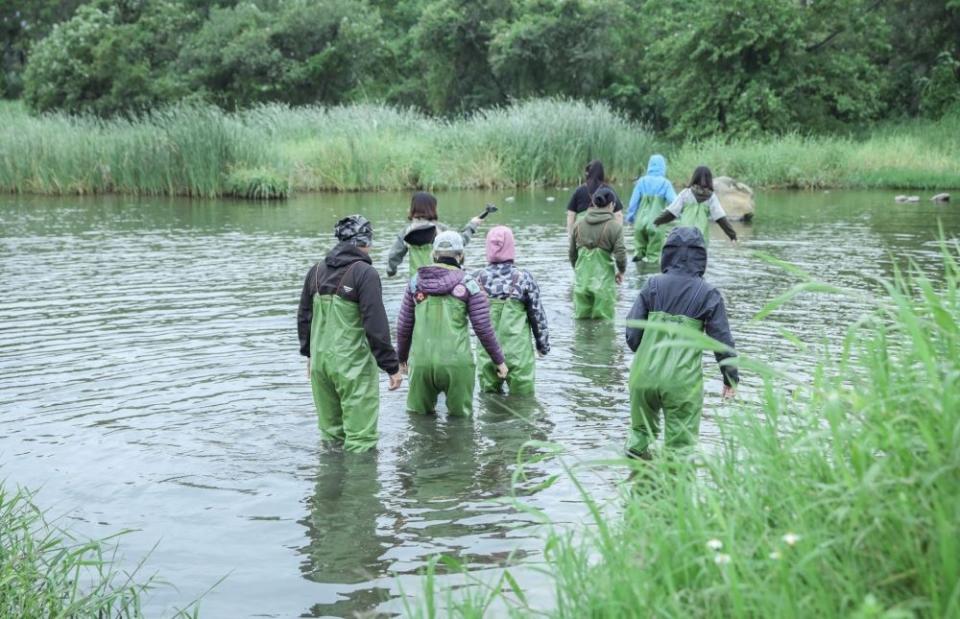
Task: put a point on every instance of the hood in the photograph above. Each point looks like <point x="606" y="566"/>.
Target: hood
<point x="597" y="216"/>
<point x="345" y="253"/>
<point x="437" y="279"/>
<point x="657" y="166"/>
<point x="702" y="194"/>
<point x="500" y="245"/>
<point x="684" y="252"/>
<point x="420" y="232"/>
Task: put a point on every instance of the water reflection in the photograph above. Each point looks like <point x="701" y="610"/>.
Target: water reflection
<point x="346" y="545"/>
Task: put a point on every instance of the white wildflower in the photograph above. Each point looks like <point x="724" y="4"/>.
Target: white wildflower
<point x="774" y="556"/>
<point x="714" y="545"/>
<point x="721" y="559"/>
<point x="791" y="539"/>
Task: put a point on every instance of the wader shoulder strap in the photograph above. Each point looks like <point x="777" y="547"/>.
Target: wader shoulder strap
<point x="688" y="309"/>
<point x="515" y="281"/>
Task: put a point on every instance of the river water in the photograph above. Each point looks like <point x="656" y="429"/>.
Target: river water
<point x="150" y="381"/>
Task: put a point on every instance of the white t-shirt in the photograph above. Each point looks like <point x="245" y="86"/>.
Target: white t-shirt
<point x="686" y="197"/>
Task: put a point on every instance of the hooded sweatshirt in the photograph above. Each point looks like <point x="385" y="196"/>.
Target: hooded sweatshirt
<point x="599" y="229"/>
<point x="440" y="280"/>
<point x="359" y="284"/>
<point x="680" y="290"/>
<point x="653" y="183"/>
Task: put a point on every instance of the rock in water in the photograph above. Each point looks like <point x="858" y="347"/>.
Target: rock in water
<point x="735" y="197"/>
<point x="901" y="199"/>
<point x="941" y="197"/>
<point x="913" y="199"/>
<point x="550" y="198"/>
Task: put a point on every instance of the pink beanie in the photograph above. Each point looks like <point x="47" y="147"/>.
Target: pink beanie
<point x="500" y="244"/>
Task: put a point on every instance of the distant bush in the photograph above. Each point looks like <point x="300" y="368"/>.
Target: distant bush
<point x="106" y="61"/>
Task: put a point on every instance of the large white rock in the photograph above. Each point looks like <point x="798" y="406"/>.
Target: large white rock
<point x="735" y="197"/>
<point x="941" y="197"/>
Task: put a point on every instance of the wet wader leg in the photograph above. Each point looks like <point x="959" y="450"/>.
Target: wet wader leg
<point x="681" y="417"/>
<point x="360" y="400"/>
<point x="329" y="412"/>
<point x="487" y="376"/>
<point x="639" y="241"/>
<point x="644" y="418"/>
<point x="655" y="238"/>
<point x="422" y="392"/>
<point x="604" y="304"/>
<point x="459" y="389"/>
<point x="582" y="304"/>
<point x="521" y="379"/>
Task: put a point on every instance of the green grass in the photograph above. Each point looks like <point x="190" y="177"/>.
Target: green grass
<point x="269" y="151"/>
<point x="915" y="155"/>
<point x="46" y="572"/>
<point x="837" y="497"/>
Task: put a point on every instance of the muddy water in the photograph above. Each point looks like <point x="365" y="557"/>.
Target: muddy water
<point x="149" y="380"/>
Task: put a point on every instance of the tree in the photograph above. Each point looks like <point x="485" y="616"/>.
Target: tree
<point x="450" y="46"/>
<point x="750" y="66"/>
<point x="303" y="52"/>
<point x="21" y="25"/>
<point x="109" y="60"/>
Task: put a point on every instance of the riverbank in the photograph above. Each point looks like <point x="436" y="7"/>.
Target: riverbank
<point x="834" y="498"/>
<point x="46" y="573"/>
<point x="271" y="151"/>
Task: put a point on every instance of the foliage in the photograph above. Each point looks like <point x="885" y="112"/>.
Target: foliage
<point x="837" y="496"/>
<point x="751" y="66"/>
<point x="692" y="68"/>
<point x="45" y="572"/>
<point x="105" y="61"/>
<point x="202" y="151"/>
<point x="303" y="52"/>
<point x="21" y="25"/>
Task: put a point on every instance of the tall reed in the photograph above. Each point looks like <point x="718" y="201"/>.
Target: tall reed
<point x="836" y="498"/>
<point x="45" y="572"/>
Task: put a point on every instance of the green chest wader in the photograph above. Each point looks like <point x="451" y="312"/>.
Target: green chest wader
<point x="441" y="358"/>
<point x="697" y="215"/>
<point x="419" y="256"/>
<point x="343" y="373"/>
<point x="669" y="379"/>
<point x="648" y="237"/>
<point x="509" y="317"/>
<point x="595" y="286"/>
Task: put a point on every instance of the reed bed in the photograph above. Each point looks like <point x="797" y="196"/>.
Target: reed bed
<point x="272" y="150"/>
<point x="834" y="498"/>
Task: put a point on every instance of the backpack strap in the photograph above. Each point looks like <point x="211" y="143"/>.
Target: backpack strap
<point x="343" y="276"/>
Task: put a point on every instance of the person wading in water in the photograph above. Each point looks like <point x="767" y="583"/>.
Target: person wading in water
<point x="345" y="335"/>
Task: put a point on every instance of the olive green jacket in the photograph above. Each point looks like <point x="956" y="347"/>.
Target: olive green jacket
<point x="599" y="229"/>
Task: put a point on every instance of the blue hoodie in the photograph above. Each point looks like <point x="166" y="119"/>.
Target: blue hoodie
<point x="653" y="183"/>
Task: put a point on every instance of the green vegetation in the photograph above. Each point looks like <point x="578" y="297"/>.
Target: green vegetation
<point x="44" y="572"/>
<point x="837" y="497"/>
<point x="690" y="69"/>
<point x="263" y="152"/>
<point x="268" y="151"/>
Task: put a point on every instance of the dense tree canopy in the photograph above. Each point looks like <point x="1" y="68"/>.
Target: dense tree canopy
<point x="691" y="67"/>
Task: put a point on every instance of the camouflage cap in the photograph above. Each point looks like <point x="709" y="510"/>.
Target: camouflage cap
<point x="355" y="229"/>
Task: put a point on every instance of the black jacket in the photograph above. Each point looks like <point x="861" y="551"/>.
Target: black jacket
<point x="681" y="290"/>
<point x="360" y="285"/>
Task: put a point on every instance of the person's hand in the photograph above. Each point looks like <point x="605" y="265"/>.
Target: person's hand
<point x="476" y="221"/>
<point x="619" y="278"/>
<point x="729" y="393"/>
<point x="391" y="273"/>
<point x="502" y="370"/>
<point x="395" y="381"/>
<point x="404" y="369"/>
<point x="541" y="354"/>
<point x="735" y="241"/>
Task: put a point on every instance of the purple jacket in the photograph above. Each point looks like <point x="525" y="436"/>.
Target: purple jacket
<point x="437" y="281"/>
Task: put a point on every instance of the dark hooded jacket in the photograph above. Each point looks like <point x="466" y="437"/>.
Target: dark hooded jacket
<point x="348" y="273"/>
<point x="681" y="290"/>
